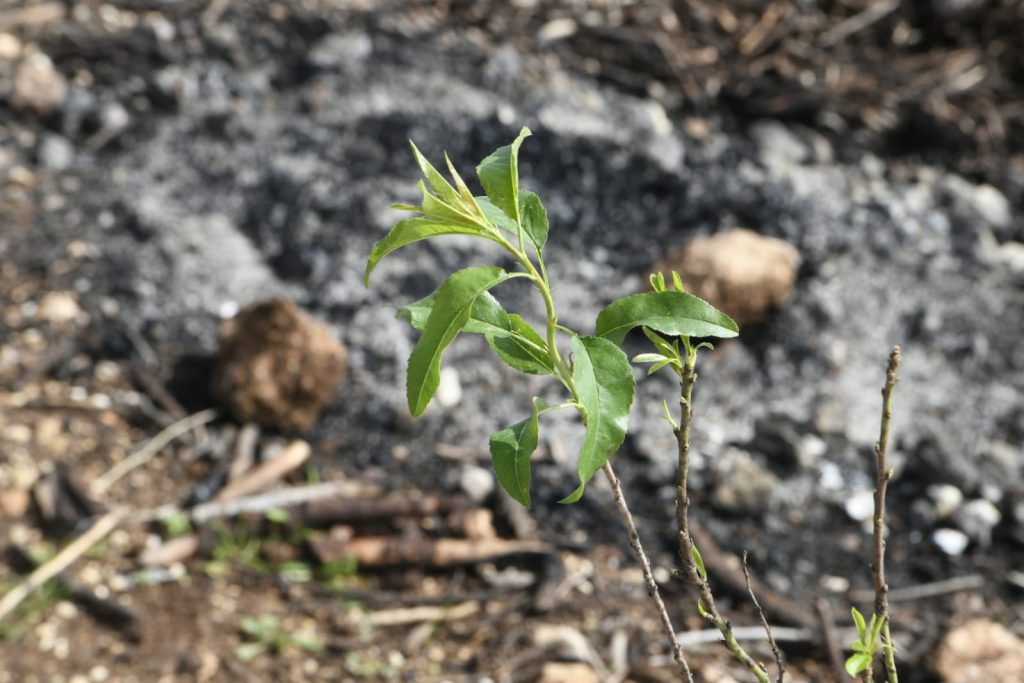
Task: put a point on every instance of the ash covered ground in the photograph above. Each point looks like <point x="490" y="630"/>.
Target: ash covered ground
<point x="198" y="164"/>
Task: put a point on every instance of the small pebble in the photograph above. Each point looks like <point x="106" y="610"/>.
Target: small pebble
<point x="953" y="542"/>
<point x="477" y="482"/>
<point x="977" y="519"/>
<point x="946" y="498"/>
<point x="861" y="505"/>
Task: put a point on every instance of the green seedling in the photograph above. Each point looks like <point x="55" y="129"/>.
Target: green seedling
<point x="867" y="645"/>
<point x="266" y="633"/>
<point x="597" y="376"/>
<point x="593" y="371"/>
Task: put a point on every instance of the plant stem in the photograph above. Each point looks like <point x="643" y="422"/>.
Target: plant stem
<point x="686" y="552"/>
<point x="645" y="566"/>
<point x="883" y="474"/>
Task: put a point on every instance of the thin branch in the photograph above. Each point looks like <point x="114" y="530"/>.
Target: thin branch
<point x="151" y="448"/>
<point x="883" y="475"/>
<point x="828" y="628"/>
<point x="645" y="566"/>
<point x="706" y="601"/>
<point x="61" y="561"/>
<point x="764" y="622"/>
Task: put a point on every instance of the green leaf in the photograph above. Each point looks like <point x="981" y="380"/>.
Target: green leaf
<point x="604" y="386"/>
<point x="487" y="317"/>
<point x="876" y="628"/>
<point x="246" y="652"/>
<point x="434" y="207"/>
<point x="857" y="663"/>
<point x="307" y="641"/>
<point x="499" y="174"/>
<point x="511" y="449"/>
<point x="858" y="619"/>
<point x="452" y="309"/>
<point x="534" y="217"/>
<point x="524" y="349"/>
<point x="674" y="313"/>
<point x="661" y="344"/>
<point x="699" y="561"/>
<point x="444" y="191"/>
<point x="495" y="215"/>
<point x="413" y="230"/>
<point x="649" y="358"/>
<point x="678" y="282"/>
<point x="464" y="193"/>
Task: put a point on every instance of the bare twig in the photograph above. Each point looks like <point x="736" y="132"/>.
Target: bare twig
<point x="883" y="475"/>
<point x="710" y="636"/>
<point x="858" y="22"/>
<point x="828" y="628"/>
<point x="150" y="449"/>
<point x="764" y="622"/>
<point x="267" y="474"/>
<point x="259" y="503"/>
<point x="645" y="566"/>
<point x="61" y="561"/>
<point x="687" y="554"/>
<point x="402" y="616"/>
<point x="927" y="590"/>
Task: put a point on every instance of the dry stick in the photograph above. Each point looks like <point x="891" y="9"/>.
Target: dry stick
<point x="151" y="448"/>
<point x="645" y="566"/>
<point x="828" y="627"/>
<point x="883" y="475"/>
<point x="686" y="549"/>
<point x="764" y="622"/>
<point x="61" y="561"/>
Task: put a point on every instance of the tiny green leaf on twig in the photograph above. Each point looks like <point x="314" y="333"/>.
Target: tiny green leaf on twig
<point x="672" y="313"/>
<point x="452" y="309"/>
<point x="604" y="385"/>
<point x="858" y="663"/>
<point x="699" y="561"/>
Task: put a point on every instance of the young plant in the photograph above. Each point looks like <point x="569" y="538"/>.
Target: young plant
<point x="266" y="633"/>
<point x="876" y="637"/>
<point x="596" y="375"/>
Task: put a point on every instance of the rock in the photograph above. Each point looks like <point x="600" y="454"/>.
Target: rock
<point x="1018" y="512"/>
<point x="14" y="503"/>
<point x="953" y="542"/>
<point x="277" y="366"/>
<point x="567" y="672"/>
<point x="743" y="485"/>
<point x="977" y="519"/>
<point x="777" y="145"/>
<point x="38" y="86"/>
<point x="945" y="498"/>
<point x="976" y="205"/>
<point x="10" y="47"/>
<point x="59" y="308"/>
<point x="779" y="438"/>
<point x="345" y="52"/>
<point x="980" y="651"/>
<point x="449" y="388"/>
<point x="739" y="271"/>
<point x="860" y="506"/>
<point x="56" y="152"/>
<point x="477" y="482"/>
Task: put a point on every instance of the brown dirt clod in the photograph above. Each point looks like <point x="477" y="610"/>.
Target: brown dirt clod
<point x="277" y="366"/>
<point x="739" y="271"/>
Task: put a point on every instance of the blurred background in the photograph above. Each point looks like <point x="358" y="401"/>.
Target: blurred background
<point x="189" y="191"/>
